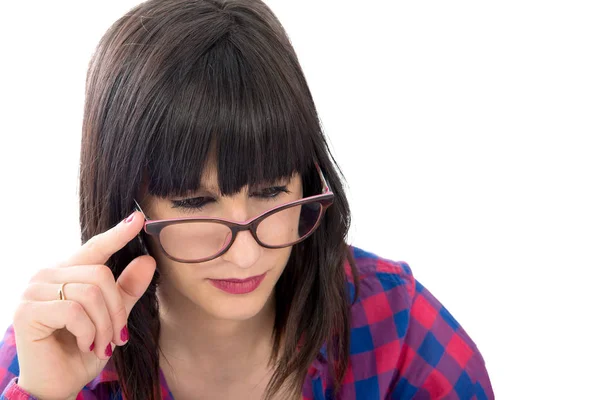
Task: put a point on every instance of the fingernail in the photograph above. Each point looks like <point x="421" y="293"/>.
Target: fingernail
<point x="130" y="218"/>
<point x="92" y="346"/>
<point x="108" y="351"/>
<point x="124" y="334"/>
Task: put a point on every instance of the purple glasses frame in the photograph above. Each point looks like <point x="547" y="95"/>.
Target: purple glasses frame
<point x="154" y="227"/>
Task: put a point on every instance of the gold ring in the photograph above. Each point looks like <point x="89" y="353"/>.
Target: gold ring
<point x="61" y="292"/>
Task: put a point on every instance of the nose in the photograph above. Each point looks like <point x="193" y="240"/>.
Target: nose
<point x="244" y="251"/>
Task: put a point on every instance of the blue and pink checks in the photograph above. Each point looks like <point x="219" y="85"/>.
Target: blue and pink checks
<point x="404" y="345"/>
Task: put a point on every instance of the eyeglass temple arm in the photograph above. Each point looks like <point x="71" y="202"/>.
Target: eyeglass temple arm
<point x="139" y="208"/>
<point x="324" y="182"/>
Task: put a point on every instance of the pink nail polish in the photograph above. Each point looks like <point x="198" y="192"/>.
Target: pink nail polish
<point x="92" y="346"/>
<point x="130" y="218"/>
<point x="108" y="351"/>
<point x="124" y="334"/>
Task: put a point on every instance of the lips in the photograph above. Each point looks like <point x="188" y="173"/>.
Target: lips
<point x="238" y="286"/>
<point x="235" y="280"/>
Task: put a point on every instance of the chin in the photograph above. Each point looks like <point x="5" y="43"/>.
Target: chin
<point x="235" y="307"/>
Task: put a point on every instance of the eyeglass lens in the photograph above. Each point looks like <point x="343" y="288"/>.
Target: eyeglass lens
<point x="198" y="240"/>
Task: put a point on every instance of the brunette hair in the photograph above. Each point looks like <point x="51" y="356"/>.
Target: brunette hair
<point x="173" y="82"/>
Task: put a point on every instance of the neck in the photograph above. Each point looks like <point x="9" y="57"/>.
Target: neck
<point x="201" y="342"/>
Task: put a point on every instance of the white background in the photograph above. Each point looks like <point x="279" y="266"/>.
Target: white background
<point x="468" y="132"/>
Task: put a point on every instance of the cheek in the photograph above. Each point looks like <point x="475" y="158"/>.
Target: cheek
<point x="155" y="251"/>
<point x="279" y="262"/>
<point x="168" y="268"/>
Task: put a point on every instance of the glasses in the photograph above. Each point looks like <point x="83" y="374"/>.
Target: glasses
<point x="200" y="239"/>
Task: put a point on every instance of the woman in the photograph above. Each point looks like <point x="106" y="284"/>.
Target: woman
<point x="232" y="278"/>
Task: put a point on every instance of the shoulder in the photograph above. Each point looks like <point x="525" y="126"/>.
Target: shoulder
<point x="381" y="301"/>
<point x="404" y="342"/>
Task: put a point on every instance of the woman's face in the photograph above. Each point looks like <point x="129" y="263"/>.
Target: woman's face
<point x="202" y="283"/>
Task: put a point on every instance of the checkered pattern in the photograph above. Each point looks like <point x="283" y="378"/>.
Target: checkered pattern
<point x="404" y="345"/>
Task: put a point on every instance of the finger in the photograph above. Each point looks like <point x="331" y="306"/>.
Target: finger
<point x="39" y="319"/>
<point x="135" y="279"/>
<point x="93" y="302"/>
<point x="98" y="275"/>
<point x="101" y="247"/>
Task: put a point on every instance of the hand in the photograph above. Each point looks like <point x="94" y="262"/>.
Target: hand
<point x="64" y="344"/>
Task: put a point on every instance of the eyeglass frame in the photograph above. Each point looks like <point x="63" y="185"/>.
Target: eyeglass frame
<point x="154" y="227"/>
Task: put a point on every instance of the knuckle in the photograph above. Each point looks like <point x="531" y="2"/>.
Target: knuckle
<point x="121" y="314"/>
<point x="93" y="293"/>
<point x="104" y="331"/>
<point x="94" y="245"/>
<point x="74" y="311"/>
<point x="107" y="330"/>
<point x="102" y="273"/>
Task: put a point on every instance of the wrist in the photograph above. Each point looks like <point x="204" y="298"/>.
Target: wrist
<point x="22" y="390"/>
<point x="14" y="391"/>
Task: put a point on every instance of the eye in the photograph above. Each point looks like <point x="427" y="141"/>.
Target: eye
<point x="272" y="193"/>
<point x="194" y="203"/>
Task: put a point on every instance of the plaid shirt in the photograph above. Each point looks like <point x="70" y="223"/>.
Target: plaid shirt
<point x="404" y="345"/>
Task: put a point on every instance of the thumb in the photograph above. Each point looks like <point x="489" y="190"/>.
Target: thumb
<point x="135" y="279"/>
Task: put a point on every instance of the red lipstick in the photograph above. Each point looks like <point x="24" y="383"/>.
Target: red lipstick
<point x="238" y="286"/>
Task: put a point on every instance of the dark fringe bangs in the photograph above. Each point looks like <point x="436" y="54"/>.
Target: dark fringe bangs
<point x="230" y="105"/>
